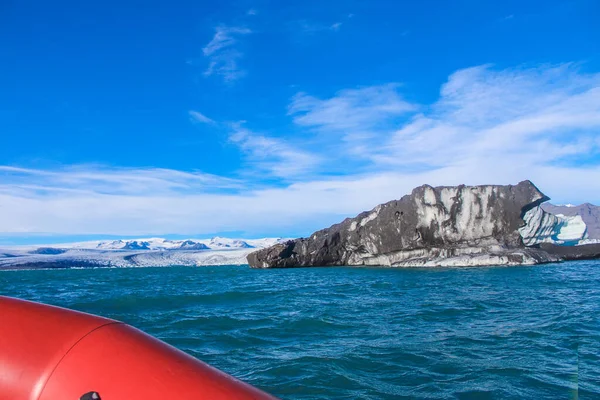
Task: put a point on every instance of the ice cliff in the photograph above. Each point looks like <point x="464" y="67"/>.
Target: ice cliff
<point x="440" y="226"/>
<point x="589" y="213"/>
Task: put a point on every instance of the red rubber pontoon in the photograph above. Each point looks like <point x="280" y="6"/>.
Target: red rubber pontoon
<point x="51" y="353"/>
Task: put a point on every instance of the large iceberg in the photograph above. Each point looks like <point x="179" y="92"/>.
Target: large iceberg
<point x="442" y="226"/>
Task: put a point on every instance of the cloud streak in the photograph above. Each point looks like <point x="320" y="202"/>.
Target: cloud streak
<point x="311" y="28"/>
<point x="273" y="156"/>
<point x="90" y="179"/>
<point x="354" y="118"/>
<point x="222" y="54"/>
<point x="351" y="109"/>
<point x="197" y="116"/>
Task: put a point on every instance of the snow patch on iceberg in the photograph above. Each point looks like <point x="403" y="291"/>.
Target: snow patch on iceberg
<point x="472" y="219"/>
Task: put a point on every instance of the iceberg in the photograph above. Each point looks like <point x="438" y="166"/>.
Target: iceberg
<point x="544" y="227"/>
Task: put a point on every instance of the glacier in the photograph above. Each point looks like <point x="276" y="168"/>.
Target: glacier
<point x="145" y="252"/>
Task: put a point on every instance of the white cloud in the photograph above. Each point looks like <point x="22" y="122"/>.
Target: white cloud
<point x="533" y="116"/>
<point x="197" y="116"/>
<point x="336" y="26"/>
<point x="488" y="125"/>
<point x="223" y="56"/>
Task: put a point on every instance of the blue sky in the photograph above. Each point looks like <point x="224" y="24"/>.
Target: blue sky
<point x="269" y="118"/>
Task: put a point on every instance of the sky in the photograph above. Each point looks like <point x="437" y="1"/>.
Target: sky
<point x="257" y="118"/>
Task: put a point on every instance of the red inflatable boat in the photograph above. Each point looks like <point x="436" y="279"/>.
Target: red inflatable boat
<point x="51" y="353"/>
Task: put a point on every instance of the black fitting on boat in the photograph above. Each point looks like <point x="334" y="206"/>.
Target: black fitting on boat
<point x="90" y="396"/>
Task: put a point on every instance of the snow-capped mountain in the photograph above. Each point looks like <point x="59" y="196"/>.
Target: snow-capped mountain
<point x="215" y="243"/>
<point x="222" y="243"/>
<point x="191" y="245"/>
<point x="134" y="252"/>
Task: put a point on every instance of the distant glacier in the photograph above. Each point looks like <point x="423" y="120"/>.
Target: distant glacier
<point x="145" y="252"/>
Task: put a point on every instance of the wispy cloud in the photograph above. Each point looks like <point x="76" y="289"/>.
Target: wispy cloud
<point x="197" y="116"/>
<point x="222" y="54"/>
<point x="310" y="28"/>
<point x="350" y="109"/>
<point x="108" y="180"/>
<point x="273" y="156"/>
<point x="353" y="117"/>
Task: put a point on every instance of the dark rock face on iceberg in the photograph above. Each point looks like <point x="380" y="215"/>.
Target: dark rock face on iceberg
<point x="433" y="226"/>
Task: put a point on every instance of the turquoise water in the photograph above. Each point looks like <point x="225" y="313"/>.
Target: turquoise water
<point x="359" y="333"/>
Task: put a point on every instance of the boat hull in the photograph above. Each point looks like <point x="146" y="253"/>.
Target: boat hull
<point x="49" y="353"/>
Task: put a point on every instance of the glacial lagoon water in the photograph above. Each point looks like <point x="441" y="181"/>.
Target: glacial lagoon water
<point x="359" y="333"/>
